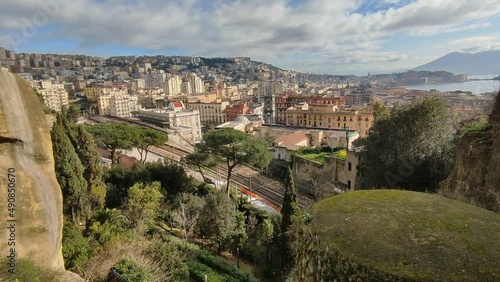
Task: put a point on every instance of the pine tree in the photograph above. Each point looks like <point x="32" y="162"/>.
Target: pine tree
<point x="288" y="210"/>
<point x="69" y="172"/>
<point x="93" y="172"/>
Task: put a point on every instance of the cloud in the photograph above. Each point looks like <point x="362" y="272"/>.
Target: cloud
<point x="324" y="30"/>
<point x="477" y="44"/>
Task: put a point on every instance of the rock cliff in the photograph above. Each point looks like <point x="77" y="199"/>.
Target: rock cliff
<point x="27" y="168"/>
<point x="476" y="176"/>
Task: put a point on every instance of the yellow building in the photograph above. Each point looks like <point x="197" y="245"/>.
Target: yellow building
<point x="213" y="113"/>
<point x="329" y="117"/>
<point x="92" y="93"/>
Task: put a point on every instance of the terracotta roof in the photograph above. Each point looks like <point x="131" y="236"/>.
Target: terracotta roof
<point x="122" y="159"/>
<point x="290" y="141"/>
<point x="177" y="104"/>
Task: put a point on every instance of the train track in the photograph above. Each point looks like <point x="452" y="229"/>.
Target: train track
<point x="253" y="185"/>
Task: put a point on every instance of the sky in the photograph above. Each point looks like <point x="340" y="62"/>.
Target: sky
<point x="316" y="36"/>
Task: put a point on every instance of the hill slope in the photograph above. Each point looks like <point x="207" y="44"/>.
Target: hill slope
<point x="470" y="63"/>
<point x="390" y="235"/>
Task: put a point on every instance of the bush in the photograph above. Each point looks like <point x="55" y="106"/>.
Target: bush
<point x="198" y="270"/>
<point x="224" y="266"/>
<point x="130" y="271"/>
<point x="170" y="260"/>
<point x="76" y="250"/>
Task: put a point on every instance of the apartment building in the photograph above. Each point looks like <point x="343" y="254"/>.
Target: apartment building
<point x="268" y="89"/>
<point x="173" y="84"/>
<point x="197" y="85"/>
<point x="328" y="117"/>
<point x="123" y="105"/>
<point x="54" y="95"/>
<point x="154" y="80"/>
<point x="186" y="122"/>
<point x="212" y="113"/>
<point x="286" y="101"/>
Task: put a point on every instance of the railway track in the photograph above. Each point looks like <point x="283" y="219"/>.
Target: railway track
<point x="253" y="185"/>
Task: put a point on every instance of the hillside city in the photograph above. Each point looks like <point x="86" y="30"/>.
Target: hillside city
<point x="179" y="168"/>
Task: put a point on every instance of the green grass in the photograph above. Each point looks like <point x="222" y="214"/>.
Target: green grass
<point x="414" y="235"/>
<point x="478" y="127"/>
<point x="320" y="157"/>
<point x="27" y="271"/>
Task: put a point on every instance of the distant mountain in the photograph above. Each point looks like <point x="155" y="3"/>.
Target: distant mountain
<point x="487" y="62"/>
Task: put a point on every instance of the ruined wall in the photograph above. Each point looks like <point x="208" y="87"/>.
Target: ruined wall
<point x="319" y="180"/>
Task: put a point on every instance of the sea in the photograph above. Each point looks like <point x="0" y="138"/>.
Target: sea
<point x="475" y="86"/>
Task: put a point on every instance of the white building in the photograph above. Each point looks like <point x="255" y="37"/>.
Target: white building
<point x="54" y="95"/>
<point x="172" y="85"/>
<point x="197" y="84"/>
<point x="185" y="122"/>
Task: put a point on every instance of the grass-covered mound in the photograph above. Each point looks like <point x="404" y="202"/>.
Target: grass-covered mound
<point x="392" y="235"/>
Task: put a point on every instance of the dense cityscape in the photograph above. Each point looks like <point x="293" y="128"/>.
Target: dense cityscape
<point x="273" y="141"/>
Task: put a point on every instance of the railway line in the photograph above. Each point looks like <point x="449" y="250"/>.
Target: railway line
<point x="251" y="184"/>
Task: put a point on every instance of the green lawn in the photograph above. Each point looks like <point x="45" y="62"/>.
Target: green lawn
<point x="415" y="235"/>
<point x="320" y="157"/>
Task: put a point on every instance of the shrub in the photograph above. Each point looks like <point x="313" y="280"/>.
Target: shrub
<point x="76" y="250"/>
<point x="224" y="266"/>
<point x="169" y="259"/>
<point x="129" y="271"/>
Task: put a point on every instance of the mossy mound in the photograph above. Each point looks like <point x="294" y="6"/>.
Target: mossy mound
<point x="410" y="236"/>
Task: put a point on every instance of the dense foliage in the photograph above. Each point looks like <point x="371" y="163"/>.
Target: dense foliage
<point x="69" y="172"/>
<point x="411" y="149"/>
<point x="235" y="147"/>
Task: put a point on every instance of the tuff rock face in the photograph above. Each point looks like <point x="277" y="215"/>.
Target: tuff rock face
<point x="476" y="176"/>
<point x="26" y="153"/>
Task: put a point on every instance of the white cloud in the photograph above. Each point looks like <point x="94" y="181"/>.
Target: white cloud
<point x="324" y="30"/>
<point x="477" y="44"/>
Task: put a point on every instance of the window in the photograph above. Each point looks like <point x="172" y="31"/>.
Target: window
<point x="349" y="166"/>
<point x="349" y="184"/>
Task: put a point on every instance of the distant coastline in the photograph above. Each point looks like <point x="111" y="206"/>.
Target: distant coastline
<point x="476" y="86"/>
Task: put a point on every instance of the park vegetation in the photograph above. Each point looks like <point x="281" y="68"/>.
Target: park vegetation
<point x="153" y="222"/>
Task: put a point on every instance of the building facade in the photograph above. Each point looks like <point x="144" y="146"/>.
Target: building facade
<point x="211" y="114"/>
<point x="328" y="117"/>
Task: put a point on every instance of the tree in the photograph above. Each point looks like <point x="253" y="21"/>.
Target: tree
<point x="144" y="202"/>
<point x="235" y="147"/>
<point x="72" y="113"/>
<point x="187" y="213"/>
<point x="265" y="232"/>
<point x="146" y="138"/>
<point x="107" y="225"/>
<point x="200" y="160"/>
<point x="219" y="220"/>
<point x="93" y="172"/>
<point x="412" y="149"/>
<point x="69" y="172"/>
<point x="380" y="111"/>
<point x="114" y="137"/>
<point x="289" y="209"/>
<point x="240" y="235"/>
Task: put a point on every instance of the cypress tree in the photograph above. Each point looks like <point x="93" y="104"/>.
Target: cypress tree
<point x="69" y="172"/>
<point x="288" y="210"/>
<point x="93" y="172"/>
